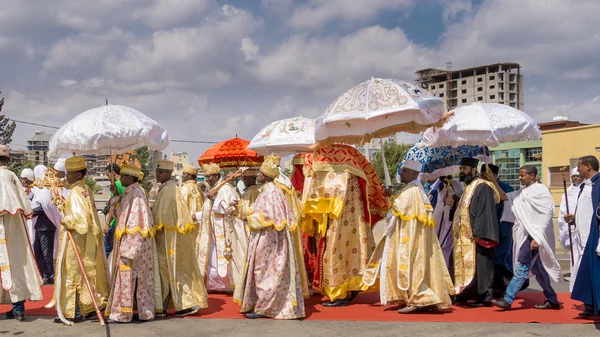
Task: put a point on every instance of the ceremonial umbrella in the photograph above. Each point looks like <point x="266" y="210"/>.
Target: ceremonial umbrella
<point x="442" y="161"/>
<point x="106" y="130"/>
<point x="285" y="136"/>
<point x="231" y="153"/>
<point x="378" y="108"/>
<point x="483" y="124"/>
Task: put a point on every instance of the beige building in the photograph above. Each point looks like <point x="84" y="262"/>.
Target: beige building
<point x="495" y="83"/>
<point x="180" y="160"/>
<point x="37" y="148"/>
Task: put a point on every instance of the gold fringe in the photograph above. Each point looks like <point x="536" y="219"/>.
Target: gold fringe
<point x="143" y="232"/>
<point x="426" y="219"/>
<point x="187" y="229"/>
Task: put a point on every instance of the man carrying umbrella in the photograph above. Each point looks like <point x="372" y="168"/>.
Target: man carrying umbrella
<point x="18" y="271"/>
<point x="475" y="229"/>
<point x="175" y="241"/>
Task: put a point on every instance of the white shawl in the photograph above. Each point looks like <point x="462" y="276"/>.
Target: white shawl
<point x="572" y="193"/>
<point x="583" y="210"/>
<point x="43" y="197"/>
<point x="533" y="208"/>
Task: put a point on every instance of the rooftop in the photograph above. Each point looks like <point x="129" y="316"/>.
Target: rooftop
<point x="559" y="124"/>
<point x="41" y="137"/>
<point x="431" y="74"/>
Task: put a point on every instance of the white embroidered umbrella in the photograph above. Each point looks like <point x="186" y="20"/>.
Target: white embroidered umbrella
<point x="106" y="130"/>
<point x="285" y="136"/>
<point x="378" y="108"/>
<point x="483" y="124"/>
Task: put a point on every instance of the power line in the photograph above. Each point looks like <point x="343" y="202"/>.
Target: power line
<point x="173" y="140"/>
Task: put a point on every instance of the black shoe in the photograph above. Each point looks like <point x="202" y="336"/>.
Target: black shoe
<point x="547" y="305"/>
<point x="253" y="315"/>
<point x="501" y="304"/>
<point x="587" y="314"/>
<point x="336" y="303"/>
<point x="9" y="314"/>
<point x="480" y="304"/>
<point x="353" y="295"/>
<point x="187" y="312"/>
<point x="12" y="314"/>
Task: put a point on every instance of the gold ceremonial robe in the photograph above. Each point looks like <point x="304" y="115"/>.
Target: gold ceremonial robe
<point x="18" y="271"/>
<point x="409" y="262"/>
<point x="246" y="204"/>
<point x="81" y="219"/>
<point x="193" y="196"/>
<point x="175" y="241"/>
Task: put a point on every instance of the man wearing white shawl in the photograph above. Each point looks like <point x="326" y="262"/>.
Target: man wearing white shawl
<point x="533" y="235"/>
<point x="46" y="222"/>
<point x="20" y="280"/>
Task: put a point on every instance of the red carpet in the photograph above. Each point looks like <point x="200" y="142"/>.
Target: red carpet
<point x="365" y="308"/>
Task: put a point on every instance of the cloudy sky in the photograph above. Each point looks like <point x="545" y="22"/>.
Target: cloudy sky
<point x="210" y="69"/>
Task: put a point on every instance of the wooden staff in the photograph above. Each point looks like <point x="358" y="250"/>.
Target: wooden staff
<point x="58" y="200"/>
<point x="564" y="178"/>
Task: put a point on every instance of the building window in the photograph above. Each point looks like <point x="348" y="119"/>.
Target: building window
<point x="464" y="100"/>
<point x="492" y="96"/>
<point x="480" y="98"/>
<point x="464" y="91"/>
<point x="492" y="87"/>
<point x="509" y="169"/>
<point x="492" y="77"/>
<point x="441" y="86"/>
<point x="555" y="178"/>
<point x="533" y="154"/>
<point x="480" y="79"/>
<point x="463" y="82"/>
<point x="442" y="95"/>
<point x="479" y="89"/>
<point x="432" y="87"/>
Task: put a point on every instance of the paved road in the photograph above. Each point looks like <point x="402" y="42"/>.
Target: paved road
<point x="231" y="327"/>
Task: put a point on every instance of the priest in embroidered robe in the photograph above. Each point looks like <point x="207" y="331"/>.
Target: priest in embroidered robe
<point x="19" y="276"/>
<point x="409" y="262"/>
<point x="581" y="212"/>
<point x="193" y="196"/>
<point x="448" y="192"/>
<point x="134" y="255"/>
<point x="272" y="284"/>
<point x="587" y="284"/>
<point x="181" y="282"/>
<point x="246" y="203"/>
<point x="223" y="240"/>
<point x="343" y="198"/>
<point x="73" y="299"/>
<point x="475" y="230"/>
<point x="534" y="240"/>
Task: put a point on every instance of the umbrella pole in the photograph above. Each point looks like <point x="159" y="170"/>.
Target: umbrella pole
<point x="386" y="173"/>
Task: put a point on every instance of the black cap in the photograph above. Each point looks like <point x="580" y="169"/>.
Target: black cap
<point x="469" y="162"/>
<point x="495" y="169"/>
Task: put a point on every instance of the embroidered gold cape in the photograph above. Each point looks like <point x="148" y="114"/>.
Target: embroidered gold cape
<point x="175" y="241"/>
<point x="409" y="262"/>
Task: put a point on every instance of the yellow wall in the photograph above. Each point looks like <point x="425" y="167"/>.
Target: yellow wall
<point x="560" y="146"/>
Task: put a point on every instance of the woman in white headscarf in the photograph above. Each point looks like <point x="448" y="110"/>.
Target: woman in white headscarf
<point x="46" y="225"/>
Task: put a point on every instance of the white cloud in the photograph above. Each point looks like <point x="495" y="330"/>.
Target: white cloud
<point x="249" y="48"/>
<point x="319" y="13"/>
<point x="67" y="83"/>
<point x="166" y="13"/>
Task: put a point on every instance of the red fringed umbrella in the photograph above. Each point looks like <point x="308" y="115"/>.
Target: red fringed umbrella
<point x="231" y="153"/>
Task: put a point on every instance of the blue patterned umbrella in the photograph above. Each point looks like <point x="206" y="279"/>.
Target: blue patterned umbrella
<point x="442" y="161"/>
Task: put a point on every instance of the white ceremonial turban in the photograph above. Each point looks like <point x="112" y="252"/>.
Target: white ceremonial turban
<point x="60" y="165"/>
<point x="575" y="172"/>
<point x="40" y="172"/>
<point x="27" y="173"/>
<point x="412" y="165"/>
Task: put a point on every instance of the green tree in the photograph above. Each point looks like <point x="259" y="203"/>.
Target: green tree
<point x="394" y="153"/>
<point x="6" y="127"/>
<point x="92" y="185"/>
<point x="144" y="156"/>
<point x="16" y="168"/>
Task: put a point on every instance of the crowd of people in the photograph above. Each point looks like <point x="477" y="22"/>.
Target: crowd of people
<point x="471" y="241"/>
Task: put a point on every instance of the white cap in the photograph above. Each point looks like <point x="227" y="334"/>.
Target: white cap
<point x="27" y="173"/>
<point x="60" y="165"/>
<point x="412" y="165"/>
<point x="575" y="172"/>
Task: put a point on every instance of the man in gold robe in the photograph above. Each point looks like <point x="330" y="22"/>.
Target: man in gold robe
<point x="192" y="195"/>
<point x="476" y="235"/>
<point x="180" y="277"/>
<point x="246" y="203"/>
<point x="343" y="197"/>
<point x="134" y="255"/>
<point x="223" y="240"/>
<point x="272" y="284"/>
<point x="20" y="279"/>
<point x="73" y="299"/>
<point x="409" y="261"/>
